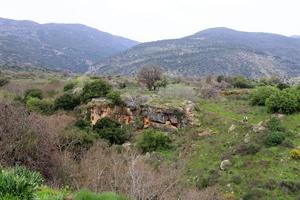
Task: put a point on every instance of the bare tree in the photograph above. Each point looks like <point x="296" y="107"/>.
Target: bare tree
<point x="149" y="75"/>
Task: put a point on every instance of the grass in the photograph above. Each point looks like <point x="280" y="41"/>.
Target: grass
<point x="269" y="165"/>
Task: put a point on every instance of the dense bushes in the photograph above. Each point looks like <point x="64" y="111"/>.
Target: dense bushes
<point x="152" y="140"/>
<point x="66" y="102"/>
<point x="275" y="134"/>
<point x="284" y="101"/>
<point x="241" y="82"/>
<point x="111" y="130"/>
<point x="274" y="138"/>
<point x="3" y="81"/>
<point x="115" y="98"/>
<point x="33" y="93"/>
<point x="43" y="106"/>
<point x="261" y="94"/>
<point x="94" y="89"/>
<point x="69" y="86"/>
<point x="19" y="184"/>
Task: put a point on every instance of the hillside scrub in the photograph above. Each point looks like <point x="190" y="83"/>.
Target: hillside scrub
<point x="259" y="95"/>
<point x="153" y="140"/>
<point x="111" y="130"/>
<point x="94" y="89"/>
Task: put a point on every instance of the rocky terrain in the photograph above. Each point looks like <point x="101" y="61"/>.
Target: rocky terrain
<point x="69" y="47"/>
<point x="213" y="51"/>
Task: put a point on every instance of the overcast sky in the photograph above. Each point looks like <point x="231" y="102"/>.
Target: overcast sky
<point x="148" y="20"/>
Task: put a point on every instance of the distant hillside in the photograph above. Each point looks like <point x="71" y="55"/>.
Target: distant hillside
<point x="72" y="47"/>
<point x="212" y="51"/>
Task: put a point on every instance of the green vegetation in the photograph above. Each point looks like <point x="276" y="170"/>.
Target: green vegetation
<point x="69" y="86"/>
<point x="19" y="184"/>
<point x="153" y="140"/>
<point x="111" y="130"/>
<point x="87" y="195"/>
<point x="94" y="89"/>
<point x="261" y="94"/>
<point x="33" y="93"/>
<point x="3" y="81"/>
<point x="66" y="102"/>
<point x="115" y="98"/>
<point x="44" y="106"/>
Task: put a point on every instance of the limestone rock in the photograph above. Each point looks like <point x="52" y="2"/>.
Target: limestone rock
<point x="225" y="164"/>
<point x="231" y="128"/>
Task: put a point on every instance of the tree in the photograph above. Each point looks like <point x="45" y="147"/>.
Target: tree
<point x="149" y="75"/>
<point x="66" y="102"/>
<point x="111" y="130"/>
<point x="152" y="140"/>
<point x="94" y="89"/>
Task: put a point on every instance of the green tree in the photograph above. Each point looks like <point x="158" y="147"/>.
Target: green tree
<point x="94" y="89"/>
<point x="66" y="102"/>
<point x="111" y="130"/>
<point x="152" y="140"/>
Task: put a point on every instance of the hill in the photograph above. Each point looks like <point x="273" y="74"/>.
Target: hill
<point x="212" y="51"/>
<point x="72" y="47"/>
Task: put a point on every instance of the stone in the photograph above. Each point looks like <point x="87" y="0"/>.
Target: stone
<point x="259" y="127"/>
<point x="231" y="128"/>
<point x="225" y="164"/>
<point x="247" y="138"/>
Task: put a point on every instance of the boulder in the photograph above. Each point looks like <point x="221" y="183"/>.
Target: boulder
<point x="225" y="164"/>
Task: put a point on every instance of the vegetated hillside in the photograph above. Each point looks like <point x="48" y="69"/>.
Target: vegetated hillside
<point x="71" y="47"/>
<point x="212" y="51"/>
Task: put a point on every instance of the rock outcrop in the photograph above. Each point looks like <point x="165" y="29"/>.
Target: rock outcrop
<point x="149" y="115"/>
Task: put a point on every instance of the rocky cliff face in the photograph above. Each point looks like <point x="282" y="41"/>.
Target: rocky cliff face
<point x="143" y="116"/>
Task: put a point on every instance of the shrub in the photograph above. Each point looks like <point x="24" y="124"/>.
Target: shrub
<point x="282" y="102"/>
<point x="237" y="179"/>
<point x="19" y="183"/>
<point x="87" y="195"/>
<point x="82" y="124"/>
<point x="152" y="140"/>
<point x="241" y="82"/>
<point x="274" y="139"/>
<point x="290" y="186"/>
<point x="115" y="98"/>
<point x="261" y="94"/>
<point x="111" y="130"/>
<point x="248" y="149"/>
<point x="33" y="93"/>
<point x="220" y="78"/>
<point x="274" y="124"/>
<point x="97" y="88"/>
<point x="3" y="81"/>
<point x="295" y="154"/>
<point x="66" y="102"/>
<point x="255" y="194"/>
<point x="282" y="86"/>
<point x="43" y="106"/>
<point x="69" y="86"/>
<point x="161" y="83"/>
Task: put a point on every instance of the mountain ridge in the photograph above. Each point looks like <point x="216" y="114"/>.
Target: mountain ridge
<point x="71" y="47"/>
<point x="212" y="51"/>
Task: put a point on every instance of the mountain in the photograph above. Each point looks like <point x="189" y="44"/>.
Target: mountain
<point x="295" y="36"/>
<point x="212" y="51"/>
<point x="71" y="47"/>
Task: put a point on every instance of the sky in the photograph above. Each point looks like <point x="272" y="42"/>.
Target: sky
<point x="149" y="20"/>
